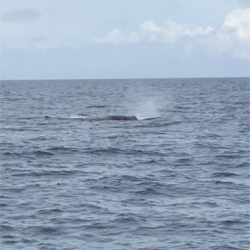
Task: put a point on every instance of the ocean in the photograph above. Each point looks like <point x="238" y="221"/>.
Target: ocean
<point x="176" y="178"/>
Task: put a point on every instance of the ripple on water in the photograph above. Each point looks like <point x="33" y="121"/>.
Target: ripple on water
<point x="177" y="180"/>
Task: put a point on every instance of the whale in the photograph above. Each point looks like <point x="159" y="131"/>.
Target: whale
<point x="115" y="118"/>
<point x="108" y="118"/>
<point x="121" y="117"/>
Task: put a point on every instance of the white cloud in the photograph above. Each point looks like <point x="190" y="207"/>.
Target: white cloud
<point x="199" y="32"/>
<point x="239" y="20"/>
<point x="116" y="37"/>
<point x="133" y="38"/>
<point x="173" y="32"/>
<point x="233" y="36"/>
<point x="150" y="26"/>
<point x="170" y="33"/>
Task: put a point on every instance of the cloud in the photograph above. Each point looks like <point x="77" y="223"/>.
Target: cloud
<point x="133" y="38"/>
<point x="234" y="34"/>
<point x="149" y="31"/>
<point x="23" y="16"/>
<point x="172" y="32"/>
<point x="239" y="22"/>
<point x="149" y="28"/>
<point x="116" y="37"/>
<point x="232" y="37"/>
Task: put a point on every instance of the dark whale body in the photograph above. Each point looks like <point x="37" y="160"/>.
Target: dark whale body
<point x="109" y="118"/>
<point x="121" y="117"/>
<point x="117" y="118"/>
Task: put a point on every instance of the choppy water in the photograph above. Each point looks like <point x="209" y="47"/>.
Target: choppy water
<point x="178" y="178"/>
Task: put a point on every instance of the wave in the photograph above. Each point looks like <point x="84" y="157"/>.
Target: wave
<point x="113" y="150"/>
<point x="226" y="174"/>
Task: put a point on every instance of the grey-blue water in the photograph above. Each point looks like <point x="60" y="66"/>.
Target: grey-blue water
<point x="176" y="178"/>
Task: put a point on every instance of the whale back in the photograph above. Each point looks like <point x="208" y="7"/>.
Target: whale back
<point x="109" y="117"/>
<point x="121" y="117"/>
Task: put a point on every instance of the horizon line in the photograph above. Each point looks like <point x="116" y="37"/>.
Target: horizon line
<point x="139" y="78"/>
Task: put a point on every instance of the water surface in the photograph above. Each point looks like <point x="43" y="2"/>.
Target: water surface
<point x="178" y="178"/>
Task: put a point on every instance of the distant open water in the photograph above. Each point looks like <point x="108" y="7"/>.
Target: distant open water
<point x="178" y="178"/>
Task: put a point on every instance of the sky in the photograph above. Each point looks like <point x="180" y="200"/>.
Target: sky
<point x="105" y="39"/>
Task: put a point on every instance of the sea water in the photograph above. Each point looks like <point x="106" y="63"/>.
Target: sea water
<point x="177" y="178"/>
